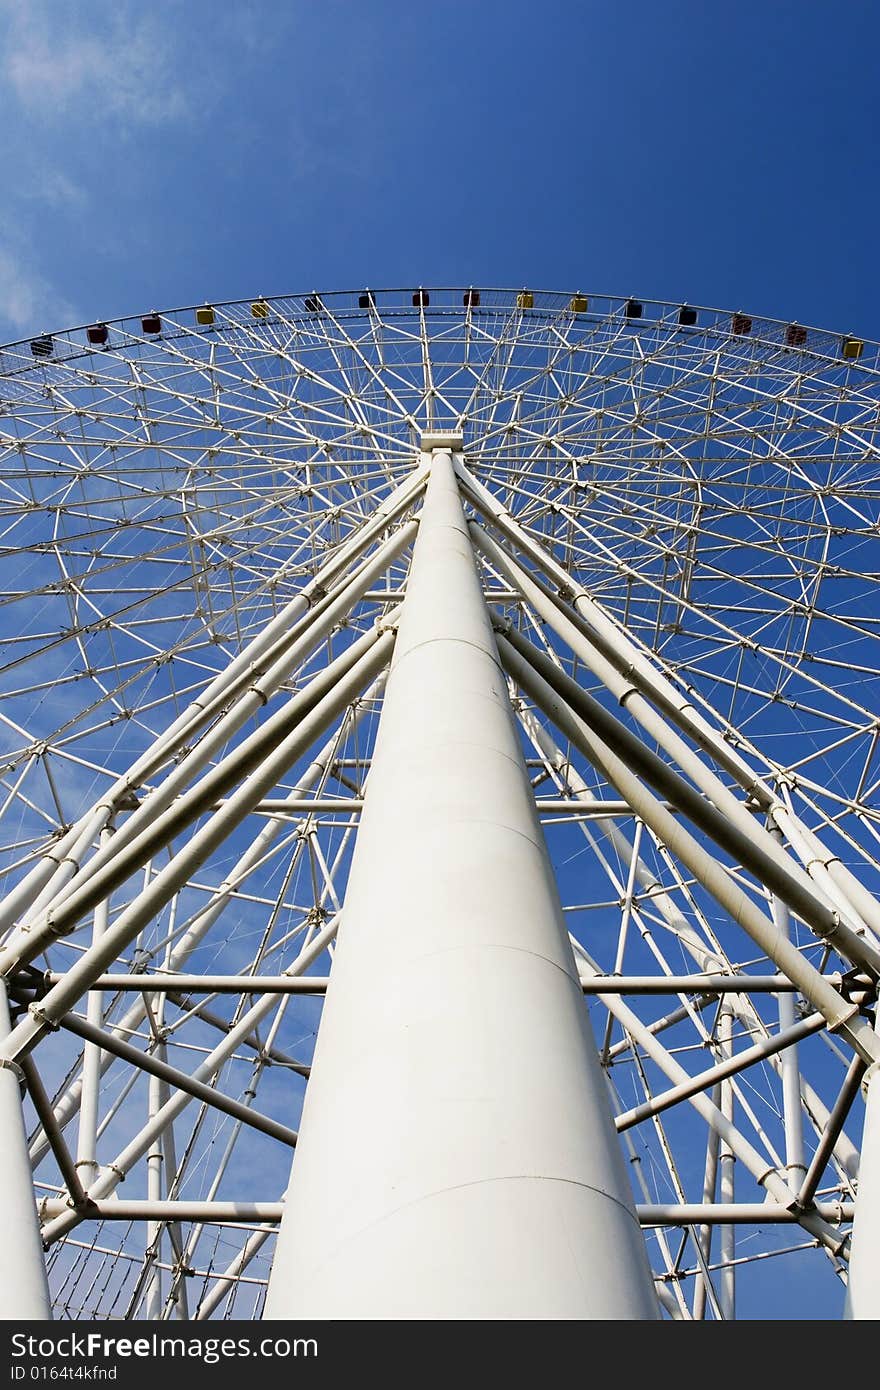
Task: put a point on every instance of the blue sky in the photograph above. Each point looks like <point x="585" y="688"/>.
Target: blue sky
<point x="186" y="150"/>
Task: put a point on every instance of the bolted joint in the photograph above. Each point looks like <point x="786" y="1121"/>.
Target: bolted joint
<point x="54" y="928"/>
<point x="831" y="931"/>
<point x="7" y="1064"/>
<point x="859" y="987"/>
<point x="85" y="1207"/>
<point x="872" y="1071"/>
<point x="42" y="1017"/>
<point x="30" y="979"/>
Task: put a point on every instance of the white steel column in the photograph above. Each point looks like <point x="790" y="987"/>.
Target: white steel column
<point x="24" y="1290"/>
<point x="456" y="1156"/>
<point x="789" y="1068"/>
<point x="727" y="1173"/>
<point x="863" y="1288"/>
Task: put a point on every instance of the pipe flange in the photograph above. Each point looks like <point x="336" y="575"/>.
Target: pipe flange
<point x="7" y="1064"/>
<point x="42" y="1017"/>
<point x="871" y="1072"/>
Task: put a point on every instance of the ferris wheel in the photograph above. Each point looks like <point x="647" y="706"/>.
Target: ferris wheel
<point x="439" y="816"/>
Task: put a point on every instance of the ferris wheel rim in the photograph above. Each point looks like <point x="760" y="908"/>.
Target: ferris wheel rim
<point x="549" y="303"/>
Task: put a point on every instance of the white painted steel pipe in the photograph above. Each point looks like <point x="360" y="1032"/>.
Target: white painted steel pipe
<point x="810" y="1101"/>
<point x="727" y="1175"/>
<point x="277" y="757"/>
<point x="529" y="670"/>
<point x="830" y="1132"/>
<point x="93" y="1059"/>
<point x="222" y="1284"/>
<point x="755" y="1162"/>
<point x="649" y="884"/>
<point x="69" y="1101"/>
<point x="737" y="1214"/>
<point x="588" y="808"/>
<point x="844" y="1150"/>
<point x="732" y="1064"/>
<point x="791" y="880"/>
<point x="270" y="1213"/>
<point x="155" y="1160"/>
<point x="454" y="1031"/>
<point x="226" y="774"/>
<point x="43" y="1106"/>
<point x="743" y="846"/>
<point x="67" y="864"/>
<point x="152" y="1063"/>
<point x="182" y="728"/>
<point x="789" y="1072"/>
<point x="166" y="982"/>
<point x="818" y="857"/>
<point x="616" y="642"/>
<point x="134" y="842"/>
<point x="863" y="1288"/>
<point x="113" y="1173"/>
<point x="119" y="1034"/>
<point x="24" y="1291"/>
<point x="635" y="662"/>
<point x="162" y="1209"/>
<point x="704" y="1290"/>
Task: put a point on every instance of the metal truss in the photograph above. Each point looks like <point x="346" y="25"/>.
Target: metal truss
<point x="208" y="524"/>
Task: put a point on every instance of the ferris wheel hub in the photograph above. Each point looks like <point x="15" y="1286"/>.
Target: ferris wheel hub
<point x="453" y="442"/>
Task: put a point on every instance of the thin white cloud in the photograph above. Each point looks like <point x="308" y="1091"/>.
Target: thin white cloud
<point x="55" y="188"/>
<point x="124" y="67"/>
<point x="28" y="302"/>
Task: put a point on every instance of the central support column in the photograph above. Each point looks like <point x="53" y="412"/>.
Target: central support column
<point x="456" y="1157"/>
